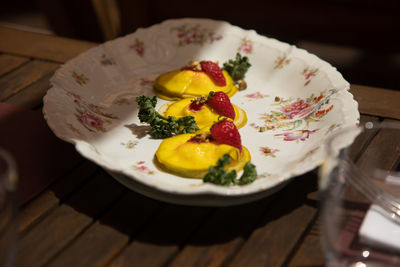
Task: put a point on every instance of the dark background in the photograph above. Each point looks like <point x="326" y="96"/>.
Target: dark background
<point x="359" y="37"/>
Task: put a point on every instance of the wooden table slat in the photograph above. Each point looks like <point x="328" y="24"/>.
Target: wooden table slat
<point x="377" y="101"/>
<point x="31" y="72"/>
<point x="381" y="152"/>
<point x="222" y="235"/>
<point x="10" y="62"/>
<point x="161" y="239"/>
<point x="86" y="218"/>
<point x="65" y="223"/>
<point x="38" y="207"/>
<point x="310" y="252"/>
<point x="103" y="240"/>
<point x="41" y="46"/>
<point x="272" y="242"/>
<point x="31" y="96"/>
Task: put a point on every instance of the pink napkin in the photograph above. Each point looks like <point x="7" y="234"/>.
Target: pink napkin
<point x="40" y="156"/>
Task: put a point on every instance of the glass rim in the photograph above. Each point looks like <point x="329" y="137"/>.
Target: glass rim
<point x="331" y="150"/>
<point x="333" y="147"/>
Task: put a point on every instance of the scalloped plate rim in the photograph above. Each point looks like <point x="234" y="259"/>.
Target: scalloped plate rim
<point x="210" y="188"/>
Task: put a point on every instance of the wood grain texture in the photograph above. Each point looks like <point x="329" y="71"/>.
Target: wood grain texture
<point x="162" y="237"/>
<point x="67" y="221"/>
<point x="272" y="241"/>
<point x="10" y="62"/>
<point x="88" y="219"/>
<point x="377" y="101"/>
<point x="384" y="150"/>
<point x="221" y="236"/>
<point x="110" y="234"/>
<point x="28" y="74"/>
<point x="32" y="95"/>
<point x="360" y="143"/>
<point x="310" y="252"/>
<point x="46" y="201"/>
<point x="41" y="46"/>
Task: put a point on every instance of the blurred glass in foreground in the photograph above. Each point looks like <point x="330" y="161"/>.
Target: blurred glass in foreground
<point x="8" y="209"/>
<point x="360" y="197"/>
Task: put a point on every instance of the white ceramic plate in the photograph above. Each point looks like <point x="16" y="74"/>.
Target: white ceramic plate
<point x="294" y="101"/>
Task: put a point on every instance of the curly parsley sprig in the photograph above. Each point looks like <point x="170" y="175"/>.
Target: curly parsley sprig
<point x="163" y="127"/>
<point x="237" y="68"/>
<point x="220" y="176"/>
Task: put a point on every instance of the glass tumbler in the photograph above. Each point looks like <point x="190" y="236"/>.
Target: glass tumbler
<point x="360" y="196"/>
<point x="8" y="209"/>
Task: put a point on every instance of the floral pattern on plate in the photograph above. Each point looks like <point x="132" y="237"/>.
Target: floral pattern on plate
<point x="293" y="113"/>
<point x="281" y="61"/>
<point x="141" y="167"/>
<point x="91" y="116"/>
<point x="298" y="135"/>
<point x="308" y="74"/>
<point x="256" y="95"/>
<point x="93" y="107"/>
<point x="106" y="61"/>
<point x="130" y="144"/>
<point x="138" y="47"/>
<point x="268" y="152"/>
<point x="195" y="34"/>
<point x="80" y="79"/>
<point x="246" y="46"/>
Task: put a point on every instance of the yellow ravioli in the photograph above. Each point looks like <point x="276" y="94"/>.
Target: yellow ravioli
<point x="192" y="159"/>
<point x="179" y="84"/>
<point x="204" y="117"/>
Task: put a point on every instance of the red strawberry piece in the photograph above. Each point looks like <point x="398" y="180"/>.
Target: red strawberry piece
<point x="214" y="72"/>
<point x="221" y="103"/>
<point x="225" y="132"/>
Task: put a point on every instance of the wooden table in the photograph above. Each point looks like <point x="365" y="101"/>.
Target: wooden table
<point x="86" y="218"/>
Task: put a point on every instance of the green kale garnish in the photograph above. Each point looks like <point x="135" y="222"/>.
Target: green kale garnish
<point x="162" y="127"/>
<point x="249" y="174"/>
<point x="220" y="176"/>
<point x="237" y="68"/>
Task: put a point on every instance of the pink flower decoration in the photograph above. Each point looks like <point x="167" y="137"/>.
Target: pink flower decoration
<point x="246" y="47"/>
<point x="301" y="135"/>
<point x="308" y="75"/>
<point x="214" y="38"/>
<point x="256" y="95"/>
<point x="143" y="168"/>
<point x="267" y="151"/>
<point x="299" y="108"/>
<point x="139" y="49"/>
<point x="138" y="46"/>
<point x="91" y="120"/>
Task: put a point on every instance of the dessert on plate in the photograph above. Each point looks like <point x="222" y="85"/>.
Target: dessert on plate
<point x="191" y="155"/>
<point x="206" y="109"/>
<point x="195" y="80"/>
